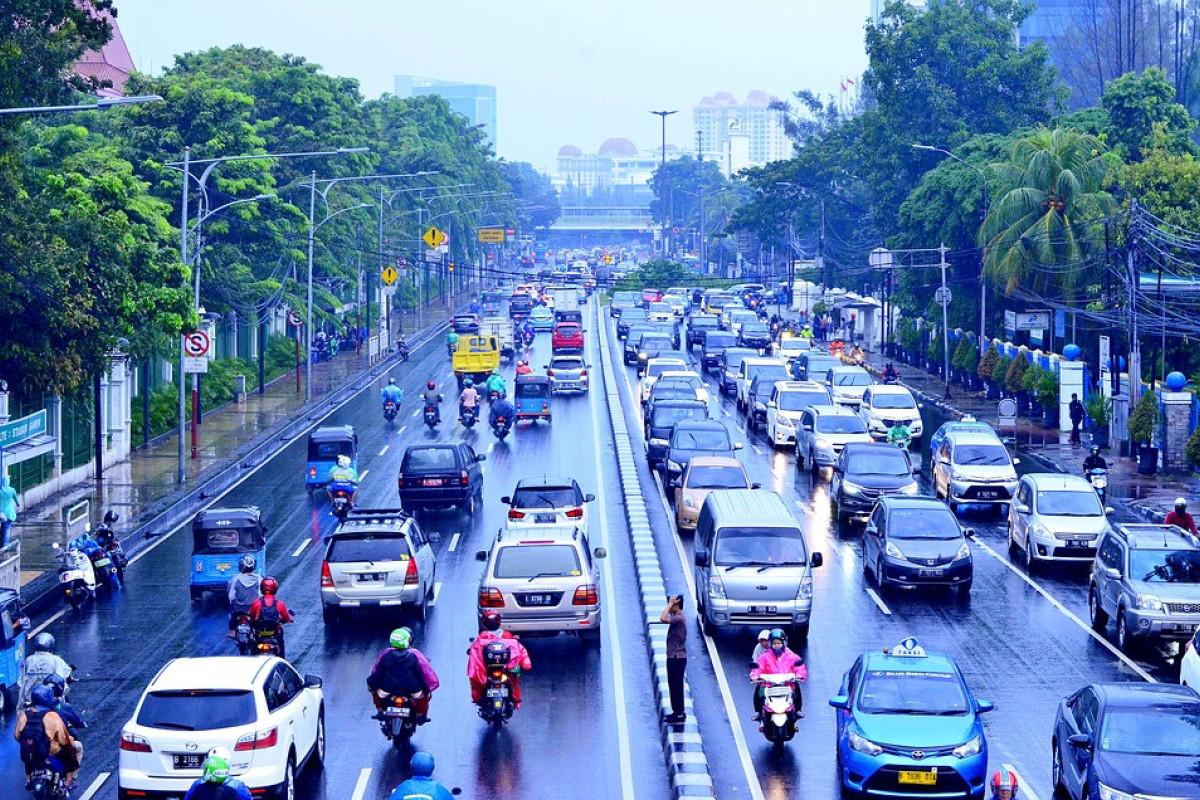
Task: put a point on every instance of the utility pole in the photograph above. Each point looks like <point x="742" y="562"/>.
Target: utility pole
<point x="945" y="322"/>
<point x="1135" y="348"/>
<point x="703" y="238"/>
<point x="663" y="179"/>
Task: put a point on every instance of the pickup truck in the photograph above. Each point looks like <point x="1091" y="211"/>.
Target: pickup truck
<point x="475" y="358"/>
<point x="502" y="329"/>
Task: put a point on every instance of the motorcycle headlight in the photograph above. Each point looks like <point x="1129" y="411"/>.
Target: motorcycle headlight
<point x="716" y="587"/>
<point x="689" y="501"/>
<point x="1148" y="602"/>
<point x="964" y="551"/>
<point x="851" y="488"/>
<point x="861" y="744"/>
<point x="971" y="748"/>
<point x="893" y="551"/>
<point x="1109" y="793"/>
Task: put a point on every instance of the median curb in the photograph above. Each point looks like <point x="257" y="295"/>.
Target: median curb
<point x="683" y="748"/>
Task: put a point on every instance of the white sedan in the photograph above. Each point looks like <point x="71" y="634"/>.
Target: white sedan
<point x="655" y="367"/>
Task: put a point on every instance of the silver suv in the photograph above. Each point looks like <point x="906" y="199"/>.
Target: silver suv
<point x="378" y="557"/>
<point x="823" y="432"/>
<point x="543" y="581"/>
<point x="974" y="467"/>
<point x="1146" y="578"/>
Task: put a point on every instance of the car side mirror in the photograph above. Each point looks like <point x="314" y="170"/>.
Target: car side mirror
<point x="756" y="486"/>
<point x="312" y="682"/>
<point x="545" y="366"/>
<point x="1021" y="508"/>
<point x="1113" y="573"/>
<point x="816" y="560"/>
<point x="984" y="706"/>
<point x="481" y="457"/>
<point x="587" y="498"/>
<point x="808" y="428"/>
<point x="871" y="530"/>
<point x="737" y="445"/>
<point x="1109" y="510"/>
<point x="840" y="701"/>
<point x="1081" y="740"/>
<point x="481" y="555"/>
<point x="433" y="536"/>
<point x="1016" y="461"/>
<point x="969" y="533"/>
<point x="701" y="559"/>
<point x="507" y="500"/>
<point x="600" y="552"/>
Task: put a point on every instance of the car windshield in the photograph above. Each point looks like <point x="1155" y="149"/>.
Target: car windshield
<point x="851" y="379"/>
<point x="1165" y="566"/>
<point x="701" y="440"/>
<point x="912" y="691"/>
<point x="798" y="401"/>
<point x="754" y="327"/>
<point x="689" y="380"/>
<point x="893" y="401"/>
<point x="656" y="343"/>
<point x="566" y="363"/>
<point x="625" y="297"/>
<point x="720" y="301"/>
<point x="656" y="369"/>
<point x="734" y="358"/>
<point x="537" y="560"/>
<point x="981" y="455"/>
<point x="1069" y="504"/>
<point x="545" y="497"/>
<point x="718" y="341"/>
<point x="430" y="458"/>
<point x="672" y="391"/>
<point x="704" y="322"/>
<point x="1167" y="730"/>
<point x="817" y="366"/>
<point x="793" y="344"/>
<point x="758" y="547"/>
<point x="879" y="461"/>
<point x="631" y="314"/>
<point x="765" y="372"/>
<point x="828" y="423"/>
<point x="717" y="478"/>
<point x="367" y="548"/>
<point x="925" y="522"/>
<point x="661" y="307"/>
<point x="197" y="710"/>
<point x="666" y="416"/>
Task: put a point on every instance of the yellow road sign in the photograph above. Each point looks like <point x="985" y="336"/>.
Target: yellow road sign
<point x="434" y="238"/>
<point x="389" y="275"/>
<point x="493" y="235"/>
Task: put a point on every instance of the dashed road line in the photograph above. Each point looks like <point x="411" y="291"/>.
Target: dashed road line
<point x="437" y="589"/>
<point x="453" y="543"/>
<point x="416" y="413"/>
<point x="360" y="788"/>
<point x="878" y="600"/>
<point x="300" y="547"/>
<point x="402" y="429"/>
<point x="385" y="448"/>
<point x="363" y="476"/>
<point x="95" y="786"/>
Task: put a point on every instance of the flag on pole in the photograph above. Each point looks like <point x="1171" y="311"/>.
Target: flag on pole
<point x="843" y="86"/>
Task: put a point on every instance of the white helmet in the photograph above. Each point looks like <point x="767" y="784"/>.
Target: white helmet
<point x="343" y="461"/>
<point x="1180" y="502"/>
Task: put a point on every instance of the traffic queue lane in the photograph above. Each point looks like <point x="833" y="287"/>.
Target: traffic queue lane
<point x="1021" y="641"/>
<point x="575" y="719"/>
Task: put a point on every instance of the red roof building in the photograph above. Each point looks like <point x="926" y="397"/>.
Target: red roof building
<point x="111" y="64"/>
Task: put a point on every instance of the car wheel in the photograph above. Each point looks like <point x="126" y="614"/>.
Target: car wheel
<point x="1012" y="540"/>
<point x="1124" y="639"/>
<point x="1056" y="772"/>
<point x="1096" y="612"/>
<point x="3" y="701"/>
<point x="880" y="581"/>
<point x="287" y="789"/>
<point x="421" y="612"/>
<point x="707" y="627"/>
<point x="316" y="761"/>
<point x="800" y="632"/>
<point x="953" y="506"/>
<point x="964" y="589"/>
<point x="1031" y="561"/>
<point x="329" y="614"/>
<point x="469" y="505"/>
<point x="591" y="638"/>
<point x="813" y="466"/>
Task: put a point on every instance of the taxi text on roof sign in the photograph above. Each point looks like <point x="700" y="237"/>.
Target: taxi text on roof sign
<point x="908" y="648"/>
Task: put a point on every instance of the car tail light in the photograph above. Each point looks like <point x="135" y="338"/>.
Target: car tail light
<point x="259" y="740"/>
<point x="410" y="575"/>
<point x="586" y="596"/>
<point x="550" y="373"/>
<point x="491" y="598"/>
<point x="575" y="513"/>
<point x="583" y="373"/>
<point x="463" y="478"/>
<point x="400" y="481"/>
<point x="514" y="514"/>
<point x="312" y="472"/>
<point x="326" y="575"/>
<point x="132" y="743"/>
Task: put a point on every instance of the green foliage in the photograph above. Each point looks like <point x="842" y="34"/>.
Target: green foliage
<point x="164" y="412"/>
<point x="987" y="364"/>
<point x="1042" y="384"/>
<point x="910" y="337"/>
<point x="539" y="206"/>
<point x="1192" y="449"/>
<point x="1015" y="377"/>
<point x="1166" y="184"/>
<point x="1000" y="371"/>
<point x="657" y="273"/>
<point x="1099" y="408"/>
<point x="935" y="348"/>
<point x="1144" y="418"/>
<point x="1142" y="108"/>
<point x="964" y="350"/>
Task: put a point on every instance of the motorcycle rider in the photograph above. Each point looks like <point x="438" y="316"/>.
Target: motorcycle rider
<point x="451" y="342"/>
<point x="268" y="613"/>
<point x="500" y="408"/>
<point x="231" y="782"/>
<point x="779" y="660"/>
<point x="52" y="740"/>
<point x="244" y="589"/>
<point x="468" y="399"/>
<point x="1180" y="517"/>
<point x="523" y="368"/>
<point x="344" y="476"/>
<point x="403" y="670"/>
<point x="431" y="398"/>
<point x="763" y="645"/>
<point x="1094" y="461"/>
<point x="391" y="393"/>
<point x="421" y="786"/>
<point x="41" y="664"/>
<point x="214" y="782"/>
<point x="899" y="434"/>
<point x="527" y="330"/>
<point x="518" y="657"/>
<point x="889" y="373"/>
<point x="1004" y="785"/>
<point x="496" y="384"/>
<point x="70" y="717"/>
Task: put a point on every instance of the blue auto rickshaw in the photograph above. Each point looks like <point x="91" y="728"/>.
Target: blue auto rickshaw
<point x="532" y="397"/>
<point x="324" y="446"/>
<point x="13" y="623"/>
<point x="220" y="537"/>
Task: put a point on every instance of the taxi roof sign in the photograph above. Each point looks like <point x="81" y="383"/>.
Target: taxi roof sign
<point x="908" y="648"/>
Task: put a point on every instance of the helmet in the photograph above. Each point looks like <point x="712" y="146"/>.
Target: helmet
<point x="421" y="764"/>
<point x="216" y="770"/>
<point x="343" y="461"/>
<point x="496" y="371"/>
<point x="401" y="638"/>
<point x="431" y="385"/>
<point x="764" y="634"/>
<point x="1003" y="779"/>
<point x="247" y="563"/>
<point x="391" y="381"/>
<point x="1095" y="449"/>
<point x="43" y="643"/>
<point x="491" y="621"/>
<point x="42" y="696"/>
<point x="1180" y="503"/>
<point x="111" y="517"/>
<point x="468" y="383"/>
<point x="269" y="585"/>
<point x="57" y="684"/>
<point x="219" y="752"/>
<point x="777" y="633"/>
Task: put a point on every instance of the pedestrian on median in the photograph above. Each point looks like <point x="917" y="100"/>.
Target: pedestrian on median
<point x="9" y="503"/>
<point x="672" y="617"/>
<point x="1076" y="412"/>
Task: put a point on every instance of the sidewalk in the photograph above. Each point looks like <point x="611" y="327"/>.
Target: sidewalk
<point x="146" y="484"/>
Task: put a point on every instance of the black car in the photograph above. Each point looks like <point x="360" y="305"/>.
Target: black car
<point x="761" y="389"/>
<point x="465" y="323"/>
<point x="668" y="389"/>
<point x="1121" y="740"/>
<point x="627" y="318"/>
<point x="712" y="343"/>
<point x="865" y="472"/>
<point x="728" y="365"/>
<point x="441" y="476"/>
<point x="669" y="329"/>
<point x="917" y="541"/>
<point x="754" y="334"/>
<point x="691" y="439"/>
<point x="519" y="306"/>
<point x="652" y="345"/>
<point x="629" y="351"/>
<point x="697" y="325"/>
<point x="662" y="418"/>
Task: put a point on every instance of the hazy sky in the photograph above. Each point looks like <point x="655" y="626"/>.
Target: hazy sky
<point x="565" y="72"/>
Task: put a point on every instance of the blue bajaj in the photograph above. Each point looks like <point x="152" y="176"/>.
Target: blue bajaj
<point x="324" y="447"/>
<point x="13" y="624"/>
<point x="532" y="397"/>
<point x="220" y="537"/>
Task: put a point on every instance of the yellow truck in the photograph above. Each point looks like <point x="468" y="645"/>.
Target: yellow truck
<point x="475" y="357"/>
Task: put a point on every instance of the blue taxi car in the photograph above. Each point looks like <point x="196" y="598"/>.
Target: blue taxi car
<point x="541" y="318"/>
<point x="908" y="725"/>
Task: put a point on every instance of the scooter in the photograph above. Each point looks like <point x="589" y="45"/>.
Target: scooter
<point x="107" y="539"/>
<point x="501" y="427"/>
<point x="778" y="710"/>
<point x="529" y="336"/>
<point x="496" y="704"/>
<point x="390" y="410"/>
<point x="402" y="349"/>
<point x="399" y="719"/>
<point x="75" y="574"/>
<point x="264" y="643"/>
<point x="243" y="635"/>
<point x="469" y="417"/>
<point x="431" y="416"/>
<point x="47" y="781"/>
<point x="341" y="499"/>
<point x="1098" y="478"/>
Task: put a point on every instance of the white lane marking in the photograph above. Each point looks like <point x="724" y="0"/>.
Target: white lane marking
<point x="453" y="543"/>
<point x="385" y="447"/>
<point x="1133" y="665"/>
<point x="491" y="447"/>
<point x="402" y="429"/>
<point x="757" y="449"/>
<point x="437" y="589"/>
<point x="612" y="638"/>
<point x="300" y="548"/>
<point x="363" y="475"/>
<point x="416" y="413"/>
<point x="95" y="787"/>
<point x="878" y="600"/>
<point x="1022" y="784"/>
<point x="360" y="788"/>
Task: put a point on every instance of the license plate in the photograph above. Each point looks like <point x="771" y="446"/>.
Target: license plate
<point x="930" y="573"/>
<point x="367" y="577"/>
<point x="537" y="599"/>
<point x="501" y="692"/>
<point x="548" y="518"/>
<point x="432" y="482"/>
<point x="187" y="760"/>
<point x="989" y="495"/>
<point x="763" y="609"/>
<point x="921" y="778"/>
<point x="103" y="562"/>
<point x="398" y="711"/>
<point x="1077" y="543"/>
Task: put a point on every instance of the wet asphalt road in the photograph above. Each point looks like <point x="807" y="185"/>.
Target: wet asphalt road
<point x="1021" y="641"/>
<point x="575" y="720"/>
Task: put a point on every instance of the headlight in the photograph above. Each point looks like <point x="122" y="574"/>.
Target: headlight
<point x="893" y="551"/>
<point x="1039" y="531"/>
<point x="910" y="489"/>
<point x="658" y="442"/>
<point x="964" y="551"/>
<point x="783" y="422"/>
<point x="851" y="488"/>
<point x="860" y="744"/>
<point x="1148" y="602"/>
<point x="688" y="501"/>
<point x="971" y="748"/>
<point x="716" y="588"/>
<point x="1109" y="793"/>
<point x="806" y="589"/>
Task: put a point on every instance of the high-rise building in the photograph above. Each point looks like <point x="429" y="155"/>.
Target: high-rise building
<point x="475" y="101"/>
<point x="720" y="118"/>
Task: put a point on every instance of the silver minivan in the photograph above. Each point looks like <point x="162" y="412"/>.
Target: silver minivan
<point x="974" y="467"/>
<point x="752" y="563"/>
<point x="1055" y="518"/>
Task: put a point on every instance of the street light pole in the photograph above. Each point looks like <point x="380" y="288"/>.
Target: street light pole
<point x="663" y="176"/>
<point x="102" y="104"/>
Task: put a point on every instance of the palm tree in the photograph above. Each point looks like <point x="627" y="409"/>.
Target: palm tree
<point x="1048" y="220"/>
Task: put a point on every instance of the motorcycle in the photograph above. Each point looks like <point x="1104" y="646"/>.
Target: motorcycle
<point x="264" y="643"/>
<point x="243" y="634"/>
<point x="528" y="337"/>
<point x="496" y="704"/>
<point x="399" y="719"/>
<point x="1098" y="478"/>
<point x="390" y="410"/>
<point x="46" y="782"/>
<point x="341" y="499"/>
<point x="778" y="710"/>
<point x="431" y="416"/>
<point x="107" y="539"/>
<point x="450" y="349"/>
<point x="890" y="377"/>
<point x="501" y="427"/>
<point x="469" y="417"/>
<point x="75" y="574"/>
<point x="402" y="349"/>
<point x="496" y="394"/>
